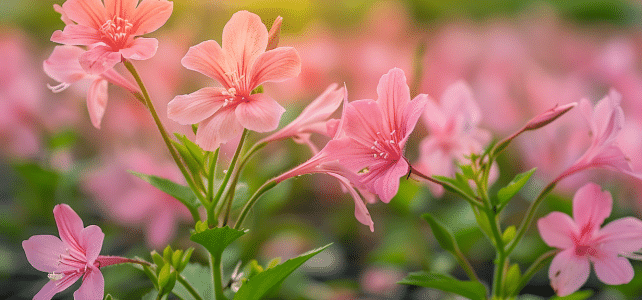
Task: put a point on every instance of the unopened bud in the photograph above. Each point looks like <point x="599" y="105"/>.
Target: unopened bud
<point x="273" y="35"/>
<point x="548" y="116"/>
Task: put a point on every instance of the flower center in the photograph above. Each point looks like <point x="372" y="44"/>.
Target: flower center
<point x="386" y="147"/>
<point x="115" y="32"/>
<point x="237" y="81"/>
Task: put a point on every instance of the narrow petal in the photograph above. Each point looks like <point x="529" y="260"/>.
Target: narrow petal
<point x="388" y="185"/>
<point x="613" y="270"/>
<point x="276" y="65"/>
<point x="99" y="59"/>
<point x="121" y="8"/>
<point x="115" y="78"/>
<point x="43" y="252"/>
<point x="92" y="241"/>
<point x="140" y="49"/>
<point x="244" y="39"/>
<point x="207" y="58"/>
<point x="220" y="128"/>
<point x="92" y="287"/>
<point x="74" y="34"/>
<point x="557" y="230"/>
<point x="63" y="15"/>
<point x="97" y="101"/>
<point x="90" y="13"/>
<point x="69" y="225"/>
<point x="363" y="121"/>
<point x="411" y="115"/>
<point x="54" y="287"/>
<point x="259" y="113"/>
<point x="621" y="236"/>
<point x="197" y="106"/>
<point x="360" y="210"/>
<point x="63" y="66"/>
<point x="591" y="206"/>
<point x="568" y="272"/>
<point x="151" y="15"/>
<point x="393" y="96"/>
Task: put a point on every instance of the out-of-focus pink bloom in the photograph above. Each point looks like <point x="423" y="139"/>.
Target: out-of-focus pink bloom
<point x="453" y="132"/>
<point x="131" y="201"/>
<point x="376" y="133"/>
<point x="110" y="29"/>
<point x="312" y="119"/>
<point x="583" y="242"/>
<point x="382" y="281"/>
<point x="240" y="65"/>
<point x="64" y="67"/>
<point x="69" y="257"/>
<point x="605" y="120"/>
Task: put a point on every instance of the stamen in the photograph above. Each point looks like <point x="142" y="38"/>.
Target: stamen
<point x="58" y="88"/>
<point x="55" y="276"/>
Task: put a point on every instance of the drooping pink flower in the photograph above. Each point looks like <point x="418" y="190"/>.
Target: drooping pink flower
<point x="606" y="120"/>
<point x="110" y="30"/>
<point x="66" y="259"/>
<point x="63" y="66"/>
<point x="583" y="242"/>
<point x="240" y="65"/>
<point x="375" y="133"/>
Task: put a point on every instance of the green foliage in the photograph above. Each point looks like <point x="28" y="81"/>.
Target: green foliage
<point x="215" y="240"/>
<point x="265" y="282"/>
<point x="512" y="279"/>
<point x="200" y="278"/>
<point x="445" y="238"/>
<point x="182" y="193"/>
<point x="469" y="289"/>
<point x="511" y="189"/>
<point x="579" y="295"/>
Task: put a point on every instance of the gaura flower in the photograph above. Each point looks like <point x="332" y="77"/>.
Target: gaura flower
<point x="241" y="65"/>
<point x="583" y="242"/>
<point x="110" y="29"/>
<point x="375" y="133"/>
<point x="69" y="257"/>
<point x="63" y="66"/>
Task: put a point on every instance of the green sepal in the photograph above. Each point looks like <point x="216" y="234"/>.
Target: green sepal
<point x="511" y="189"/>
<point x="274" y="262"/>
<point x="164" y="277"/>
<point x="194" y="128"/>
<point x="167" y="254"/>
<point x="509" y="234"/>
<point x="257" y="90"/>
<point x="182" y="193"/>
<point x="215" y="240"/>
<point x="176" y="259"/>
<point x="185" y="259"/>
<point x="469" y="289"/>
<point x="109" y="297"/>
<point x="484" y="224"/>
<point x="262" y="284"/>
<point x="513" y="276"/>
<point x="158" y="260"/>
<point x="444" y="236"/>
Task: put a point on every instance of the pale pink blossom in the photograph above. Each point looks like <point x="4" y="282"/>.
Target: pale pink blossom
<point x="110" y="30"/>
<point x="582" y="242"/>
<point x="241" y="65"/>
<point x="375" y="134"/>
<point x="75" y="254"/>
<point x="63" y="66"/>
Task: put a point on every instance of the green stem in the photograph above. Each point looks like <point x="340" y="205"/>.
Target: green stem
<point x="248" y="205"/>
<point x="465" y="264"/>
<point x="447" y="186"/>
<point x="228" y="174"/>
<point x="536" y="266"/>
<point x="217" y="276"/>
<point x="211" y="176"/>
<point x="188" y="287"/>
<point x="161" y="128"/>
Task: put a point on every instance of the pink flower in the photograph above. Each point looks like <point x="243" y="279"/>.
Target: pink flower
<point x="63" y="66"/>
<point x="110" y="29"/>
<point x="605" y="120"/>
<point x="240" y="65"/>
<point x="69" y="257"/>
<point x="582" y="241"/>
<point x="375" y="133"/>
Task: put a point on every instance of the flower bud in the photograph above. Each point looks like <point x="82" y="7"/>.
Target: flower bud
<point x="273" y="35"/>
<point x="548" y="116"/>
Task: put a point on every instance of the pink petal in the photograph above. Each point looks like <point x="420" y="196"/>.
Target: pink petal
<point x="91" y="239"/>
<point x="568" y="272"/>
<point x="63" y="66"/>
<point x="43" y="252"/>
<point x="140" y="49"/>
<point x="93" y="285"/>
<point x="74" y="34"/>
<point x="220" y="128"/>
<point x="53" y="287"/>
<point x="99" y="59"/>
<point x="115" y="78"/>
<point x="458" y="100"/>
<point x="244" y="39"/>
<point x="63" y="14"/>
<point x="621" y="236"/>
<point x="97" y="101"/>
<point x="608" y="118"/>
<point x="613" y="270"/>
<point x="363" y="121"/>
<point x="353" y="156"/>
<point x="161" y="228"/>
<point x="557" y="230"/>
<point x="121" y="8"/>
<point x="208" y="59"/>
<point x="197" y="106"/>
<point x="387" y="186"/>
<point x="259" y="113"/>
<point x="411" y="115"/>
<point x="151" y="15"/>
<point x="276" y="65"/>
<point x="90" y="13"/>
<point x="591" y="206"/>
<point x="360" y="210"/>
<point x="434" y="117"/>
<point x="393" y="96"/>
<point x="69" y="225"/>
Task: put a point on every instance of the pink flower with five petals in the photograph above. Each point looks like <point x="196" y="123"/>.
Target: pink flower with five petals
<point x="110" y="29"/>
<point x="241" y="65"/>
<point x="583" y="242"/>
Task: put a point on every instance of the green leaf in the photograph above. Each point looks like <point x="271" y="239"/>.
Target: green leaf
<point x="484" y="224"/>
<point x="506" y="193"/>
<point x="469" y="289"/>
<point x="445" y="238"/>
<point x="509" y="234"/>
<point x="195" y="167"/>
<point x="215" y="240"/>
<point x="200" y="278"/>
<point x="581" y="295"/>
<point x="182" y="193"/>
<point x="260" y="285"/>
